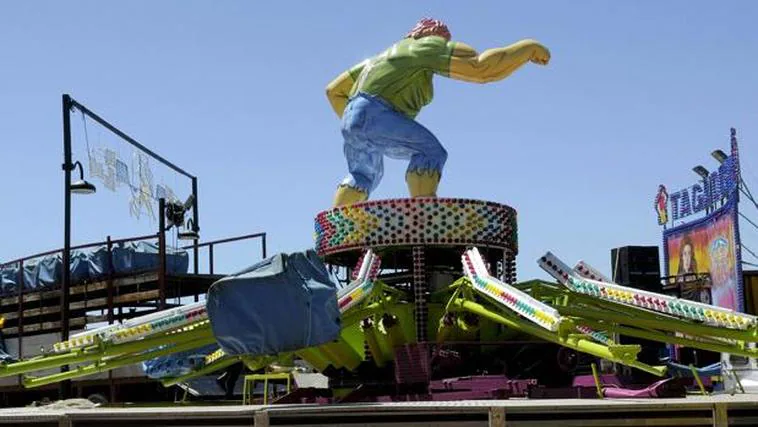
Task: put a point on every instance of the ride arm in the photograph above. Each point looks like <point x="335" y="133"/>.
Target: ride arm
<point x="338" y="90"/>
<point x="494" y="64"/>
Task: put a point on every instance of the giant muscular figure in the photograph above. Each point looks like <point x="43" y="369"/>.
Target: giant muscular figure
<point x="379" y="99"/>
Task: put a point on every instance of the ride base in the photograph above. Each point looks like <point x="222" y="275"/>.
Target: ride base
<point x="430" y="310"/>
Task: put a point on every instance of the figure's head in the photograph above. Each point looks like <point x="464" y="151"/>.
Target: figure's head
<point x="687" y="263"/>
<point x="429" y="27"/>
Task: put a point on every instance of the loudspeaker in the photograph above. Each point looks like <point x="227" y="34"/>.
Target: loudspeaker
<point x="637" y="267"/>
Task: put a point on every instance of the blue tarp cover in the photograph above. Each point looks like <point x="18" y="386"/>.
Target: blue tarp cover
<point x="92" y="264"/>
<point x="283" y="303"/>
<point x="177" y="364"/>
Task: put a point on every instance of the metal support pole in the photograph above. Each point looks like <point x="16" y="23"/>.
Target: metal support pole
<point x="196" y="263"/>
<point x="263" y="245"/>
<point x="67" y="166"/>
<point x="20" y="312"/>
<point x="111" y="314"/>
<point x="162" y="253"/>
<point x="420" y="291"/>
<point x="109" y="246"/>
<point x="210" y="258"/>
<point x="195" y="228"/>
<point x="511" y="268"/>
<point x="196" y="219"/>
<point x="195" y="253"/>
<point x="65" y="386"/>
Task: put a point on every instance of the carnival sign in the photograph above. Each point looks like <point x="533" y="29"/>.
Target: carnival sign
<point x="719" y="186"/>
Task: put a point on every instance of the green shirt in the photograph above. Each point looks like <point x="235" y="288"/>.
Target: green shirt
<point x="402" y="75"/>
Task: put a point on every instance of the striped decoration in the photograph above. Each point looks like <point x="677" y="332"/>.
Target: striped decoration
<point x="691" y="310"/>
<point x="362" y="284"/>
<point x="136" y="328"/>
<point x="589" y="272"/>
<point x="510" y="297"/>
<point x="417" y="221"/>
<point x="216" y="355"/>
<point x="596" y="335"/>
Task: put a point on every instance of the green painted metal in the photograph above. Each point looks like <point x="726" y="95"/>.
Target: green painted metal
<point x="702" y="343"/>
<point x="314" y="357"/>
<point x="621" y="354"/>
<point x="117" y="362"/>
<point x="372" y="340"/>
<point x="388" y="322"/>
<point x="619" y="313"/>
<point x="103" y="350"/>
<point x="252" y="363"/>
<point x="341" y="352"/>
<point x="598" y="384"/>
<point x="205" y="370"/>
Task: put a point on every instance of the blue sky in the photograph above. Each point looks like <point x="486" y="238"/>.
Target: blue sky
<point x="636" y="94"/>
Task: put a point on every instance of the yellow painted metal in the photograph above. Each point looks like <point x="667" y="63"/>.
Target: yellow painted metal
<point x="248" y="387"/>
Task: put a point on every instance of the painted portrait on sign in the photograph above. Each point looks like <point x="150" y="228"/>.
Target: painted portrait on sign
<point x="708" y="246"/>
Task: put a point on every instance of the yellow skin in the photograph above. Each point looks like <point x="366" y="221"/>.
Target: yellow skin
<point x="466" y="65"/>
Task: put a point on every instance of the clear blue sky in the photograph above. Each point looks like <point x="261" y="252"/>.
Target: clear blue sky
<point x="636" y="94"/>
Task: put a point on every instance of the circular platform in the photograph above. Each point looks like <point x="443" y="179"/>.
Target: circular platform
<point x="423" y="221"/>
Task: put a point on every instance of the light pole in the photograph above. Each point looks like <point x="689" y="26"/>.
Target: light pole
<point x="83" y="187"/>
<point x="79" y="187"/>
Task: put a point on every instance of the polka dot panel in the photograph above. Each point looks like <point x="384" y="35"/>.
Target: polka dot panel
<point x="418" y="221"/>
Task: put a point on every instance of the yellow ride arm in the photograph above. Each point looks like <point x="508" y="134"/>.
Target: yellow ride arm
<point x="495" y="64"/>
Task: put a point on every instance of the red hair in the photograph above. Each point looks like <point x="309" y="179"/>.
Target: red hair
<point x="429" y="27"/>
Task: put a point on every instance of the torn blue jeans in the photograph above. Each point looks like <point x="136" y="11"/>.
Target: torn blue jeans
<point x="372" y="129"/>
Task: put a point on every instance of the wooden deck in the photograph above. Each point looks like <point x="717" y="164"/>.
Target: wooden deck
<point x="36" y="312"/>
<point x="718" y="411"/>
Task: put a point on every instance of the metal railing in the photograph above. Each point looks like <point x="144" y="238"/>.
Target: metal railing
<point x="707" y="411"/>
<point x="210" y="245"/>
<point x="110" y="275"/>
<point x="84" y="246"/>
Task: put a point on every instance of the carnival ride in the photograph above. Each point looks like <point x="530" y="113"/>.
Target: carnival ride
<point x="431" y="309"/>
<point x="427" y="307"/>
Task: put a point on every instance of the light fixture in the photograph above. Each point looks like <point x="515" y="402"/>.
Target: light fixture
<point x="719" y="155"/>
<point x="700" y="170"/>
<point x="189" y="233"/>
<point x="81" y="186"/>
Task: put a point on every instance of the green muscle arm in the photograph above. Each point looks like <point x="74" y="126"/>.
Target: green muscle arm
<point x="494" y="64"/>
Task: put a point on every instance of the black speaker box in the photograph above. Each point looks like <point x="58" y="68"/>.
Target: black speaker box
<point x="637" y="267"/>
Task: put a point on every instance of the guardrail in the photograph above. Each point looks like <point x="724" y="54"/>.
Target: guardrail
<point x="110" y="276"/>
<point x="697" y="411"/>
<point x="210" y="245"/>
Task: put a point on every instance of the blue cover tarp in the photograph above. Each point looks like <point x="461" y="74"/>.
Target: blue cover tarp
<point x="177" y="364"/>
<point x="139" y="256"/>
<point x="92" y="264"/>
<point x="284" y="303"/>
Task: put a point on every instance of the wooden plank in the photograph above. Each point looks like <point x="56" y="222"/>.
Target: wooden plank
<point x="32" y="312"/>
<point x="90" y="304"/>
<point x="44" y="326"/>
<point x="97" y="319"/>
<point x="137" y="296"/>
<point x="93" y="304"/>
<point x="82" y="289"/>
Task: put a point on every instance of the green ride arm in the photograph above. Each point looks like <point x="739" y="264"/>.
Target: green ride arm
<point x="89" y="354"/>
<point x="573" y="341"/>
<point x="117" y="362"/>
